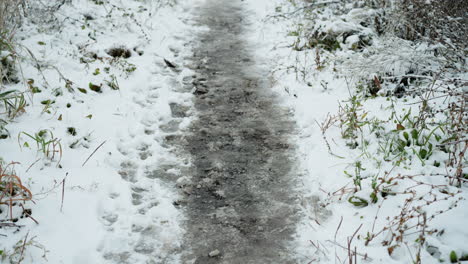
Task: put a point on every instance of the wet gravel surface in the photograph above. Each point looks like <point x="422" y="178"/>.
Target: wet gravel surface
<point x="240" y="201"/>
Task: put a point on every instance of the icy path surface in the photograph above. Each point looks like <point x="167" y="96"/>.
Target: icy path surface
<point x="240" y="202"/>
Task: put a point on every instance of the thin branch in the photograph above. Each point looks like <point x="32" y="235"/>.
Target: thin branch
<point x="365" y="256"/>
<point x="93" y="153"/>
<point x="33" y="164"/>
<point x="22" y="248"/>
<point x="312" y="5"/>
<point x="63" y="191"/>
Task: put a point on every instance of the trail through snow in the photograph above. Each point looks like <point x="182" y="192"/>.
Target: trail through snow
<point x="226" y="144"/>
<point x="240" y="202"/>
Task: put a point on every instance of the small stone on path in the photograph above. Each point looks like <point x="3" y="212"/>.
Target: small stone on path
<point x="214" y="253"/>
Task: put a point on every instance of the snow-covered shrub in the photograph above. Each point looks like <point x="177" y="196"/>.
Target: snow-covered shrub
<point x="11" y="13"/>
<point x="438" y="22"/>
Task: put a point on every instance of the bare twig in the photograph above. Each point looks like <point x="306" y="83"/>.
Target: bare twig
<point x="460" y="165"/>
<point x="338" y="228"/>
<point x="365" y="256"/>
<point x="336" y="233"/>
<point x="63" y="191"/>
<point x="33" y="164"/>
<point x="10" y="225"/>
<point x="93" y="153"/>
<point x="28" y="214"/>
<point x="312" y="5"/>
<point x="22" y="248"/>
<point x="350" y="251"/>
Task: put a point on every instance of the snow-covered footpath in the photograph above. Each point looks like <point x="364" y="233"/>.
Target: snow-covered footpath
<point x="101" y="97"/>
<point x="103" y="82"/>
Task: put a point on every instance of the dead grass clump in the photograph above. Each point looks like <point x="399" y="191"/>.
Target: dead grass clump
<point x="12" y="191"/>
<point x="119" y="52"/>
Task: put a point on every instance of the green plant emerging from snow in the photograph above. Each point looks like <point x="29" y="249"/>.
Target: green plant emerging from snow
<point x="45" y="141"/>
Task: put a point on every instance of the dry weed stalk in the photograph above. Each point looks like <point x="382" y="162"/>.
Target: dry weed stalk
<point x="11" y="189"/>
<point x="458" y="128"/>
<point x="413" y="218"/>
<point x="329" y="121"/>
<point x="318" y="62"/>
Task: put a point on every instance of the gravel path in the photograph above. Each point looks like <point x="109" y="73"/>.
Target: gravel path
<point x="241" y="203"/>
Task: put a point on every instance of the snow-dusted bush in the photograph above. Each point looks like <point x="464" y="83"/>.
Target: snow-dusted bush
<point x="440" y="25"/>
<point x="11" y="13"/>
<point x="441" y="21"/>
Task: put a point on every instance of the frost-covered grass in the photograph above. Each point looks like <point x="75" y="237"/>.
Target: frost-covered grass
<point x="387" y="102"/>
